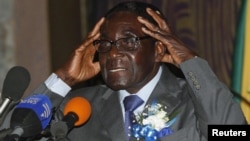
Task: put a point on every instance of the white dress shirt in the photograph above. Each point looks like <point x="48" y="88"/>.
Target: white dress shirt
<point x="143" y="93"/>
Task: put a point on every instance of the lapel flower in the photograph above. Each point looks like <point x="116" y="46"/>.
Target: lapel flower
<point x="153" y="123"/>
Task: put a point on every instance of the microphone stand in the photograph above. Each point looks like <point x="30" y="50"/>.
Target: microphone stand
<point x="12" y="137"/>
<point x="8" y="111"/>
<point x="4" y="133"/>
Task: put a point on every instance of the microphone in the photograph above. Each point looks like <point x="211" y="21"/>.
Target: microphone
<point x="30" y="117"/>
<point x="52" y="97"/>
<point x="76" y="112"/>
<point x="14" y="86"/>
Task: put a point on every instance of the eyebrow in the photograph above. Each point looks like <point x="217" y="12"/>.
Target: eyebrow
<point x="128" y="32"/>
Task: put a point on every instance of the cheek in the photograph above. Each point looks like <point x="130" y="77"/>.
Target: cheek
<point x="145" y="59"/>
<point x="143" y="66"/>
<point x="102" y="60"/>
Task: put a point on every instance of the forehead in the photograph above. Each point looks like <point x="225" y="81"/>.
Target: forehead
<point x="122" y="22"/>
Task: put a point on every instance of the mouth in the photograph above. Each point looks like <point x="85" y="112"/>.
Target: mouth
<point x="116" y="70"/>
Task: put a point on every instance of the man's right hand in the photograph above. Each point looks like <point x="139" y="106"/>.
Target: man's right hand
<point x="80" y="66"/>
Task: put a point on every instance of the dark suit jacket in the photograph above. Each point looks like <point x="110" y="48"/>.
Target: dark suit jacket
<point x="200" y="99"/>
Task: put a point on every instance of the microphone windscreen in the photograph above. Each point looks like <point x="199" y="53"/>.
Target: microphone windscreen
<point x="15" y="83"/>
<point x="32" y="114"/>
<point x="81" y="107"/>
<point x="27" y="120"/>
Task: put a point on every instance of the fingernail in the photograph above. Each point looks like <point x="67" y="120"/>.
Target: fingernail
<point x="143" y="28"/>
<point x="149" y="9"/>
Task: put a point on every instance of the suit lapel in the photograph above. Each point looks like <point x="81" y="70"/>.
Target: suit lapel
<point x="167" y="91"/>
<point x="172" y="92"/>
<point x="111" y="116"/>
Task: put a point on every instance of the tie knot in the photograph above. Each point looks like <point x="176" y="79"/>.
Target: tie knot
<point x="132" y="102"/>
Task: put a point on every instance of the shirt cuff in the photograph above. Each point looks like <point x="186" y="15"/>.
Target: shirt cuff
<point x="56" y="85"/>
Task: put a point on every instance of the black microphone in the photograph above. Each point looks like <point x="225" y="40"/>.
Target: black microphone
<point x="30" y="117"/>
<point x="22" y="121"/>
<point x="76" y="112"/>
<point x="14" y="86"/>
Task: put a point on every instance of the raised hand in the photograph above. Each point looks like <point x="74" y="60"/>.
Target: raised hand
<point x="176" y="51"/>
<point x="80" y="66"/>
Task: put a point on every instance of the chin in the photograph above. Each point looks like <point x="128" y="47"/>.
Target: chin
<point x="117" y="86"/>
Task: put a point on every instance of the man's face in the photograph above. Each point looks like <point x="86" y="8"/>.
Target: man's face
<point x="127" y="70"/>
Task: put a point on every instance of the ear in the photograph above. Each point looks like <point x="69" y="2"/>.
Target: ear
<point x="159" y="51"/>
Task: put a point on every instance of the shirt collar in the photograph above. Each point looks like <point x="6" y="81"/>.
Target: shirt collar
<point x="144" y="92"/>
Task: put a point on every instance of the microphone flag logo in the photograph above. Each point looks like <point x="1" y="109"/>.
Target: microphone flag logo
<point x="41" y="105"/>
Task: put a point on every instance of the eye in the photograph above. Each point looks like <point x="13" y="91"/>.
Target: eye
<point x="129" y="42"/>
<point x="105" y="43"/>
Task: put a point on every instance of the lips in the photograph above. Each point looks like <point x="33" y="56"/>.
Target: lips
<point x="116" y="70"/>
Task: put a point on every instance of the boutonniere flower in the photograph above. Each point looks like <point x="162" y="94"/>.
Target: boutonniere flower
<point x="153" y="123"/>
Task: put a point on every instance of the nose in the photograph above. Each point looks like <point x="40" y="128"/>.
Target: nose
<point x="114" y="51"/>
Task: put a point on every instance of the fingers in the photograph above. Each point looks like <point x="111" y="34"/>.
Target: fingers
<point x="80" y="66"/>
<point x="93" y="35"/>
<point x="159" y="20"/>
<point x="88" y="51"/>
<point x="162" y="27"/>
<point x="176" y="52"/>
<point x="160" y="31"/>
<point x="97" y="68"/>
<point x="84" y="55"/>
<point x="96" y="29"/>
